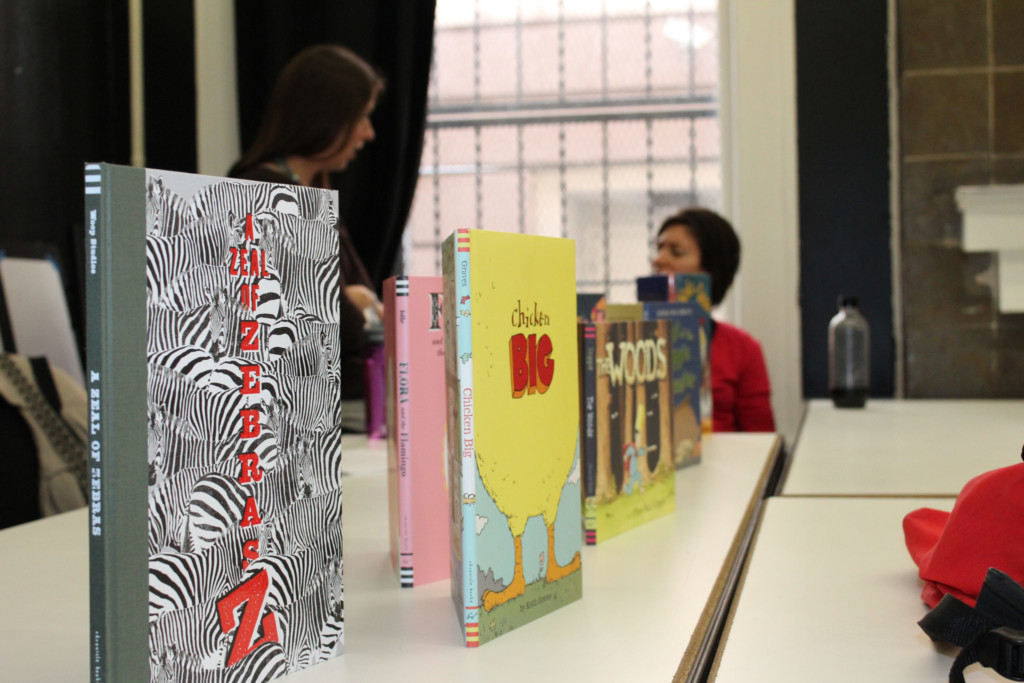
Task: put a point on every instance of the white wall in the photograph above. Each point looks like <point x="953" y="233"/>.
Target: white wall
<point x="217" y="144"/>
<point x="760" y="187"/>
<point x="217" y="135"/>
<point x="137" y="100"/>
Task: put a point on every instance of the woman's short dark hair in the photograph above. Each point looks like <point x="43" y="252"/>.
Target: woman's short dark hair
<point x="718" y="242"/>
<point x="319" y="96"/>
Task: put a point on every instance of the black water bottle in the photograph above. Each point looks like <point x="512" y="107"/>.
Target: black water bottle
<point x="848" y="348"/>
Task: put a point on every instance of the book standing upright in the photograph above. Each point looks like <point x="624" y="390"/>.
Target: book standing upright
<point x="214" y="382"/>
<point x="513" y="440"/>
<point x="417" y="500"/>
<point x="694" y="289"/>
<point x="687" y="362"/>
<point x="629" y="474"/>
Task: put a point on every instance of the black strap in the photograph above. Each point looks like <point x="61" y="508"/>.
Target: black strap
<point x="955" y="622"/>
<point x="6" y="332"/>
<point x="44" y="381"/>
<point x="18" y="504"/>
<point x="991" y="632"/>
<point x="68" y="446"/>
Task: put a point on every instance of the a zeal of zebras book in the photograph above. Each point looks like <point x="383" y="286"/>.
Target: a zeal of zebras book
<point x="512" y="379"/>
<point x="215" y="451"/>
<point x="417" y="499"/>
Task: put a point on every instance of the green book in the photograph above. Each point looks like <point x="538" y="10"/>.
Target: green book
<point x="628" y="467"/>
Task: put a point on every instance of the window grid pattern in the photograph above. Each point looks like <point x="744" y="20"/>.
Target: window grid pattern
<point x="584" y="120"/>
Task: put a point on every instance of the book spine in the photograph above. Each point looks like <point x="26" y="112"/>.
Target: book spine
<point x="696" y="288"/>
<point x="403" y="418"/>
<point x="391" y="397"/>
<point x="95" y="372"/>
<point x="453" y="454"/>
<point x="589" y="372"/>
<point x="466" y="433"/>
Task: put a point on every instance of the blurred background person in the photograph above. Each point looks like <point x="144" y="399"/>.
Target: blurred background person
<point x="316" y="121"/>
<point x="699" y="240"/>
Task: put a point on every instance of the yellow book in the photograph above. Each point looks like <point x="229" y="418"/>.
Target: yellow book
<point x="512" y="374"/>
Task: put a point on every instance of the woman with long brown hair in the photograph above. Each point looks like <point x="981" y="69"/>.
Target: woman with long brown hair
<point x="316" y="120"/>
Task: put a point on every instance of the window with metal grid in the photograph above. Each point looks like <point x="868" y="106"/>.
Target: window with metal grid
<point x="579" y="118"/>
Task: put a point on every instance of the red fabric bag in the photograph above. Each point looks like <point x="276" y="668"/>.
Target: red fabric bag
<point x="954" y="550"/>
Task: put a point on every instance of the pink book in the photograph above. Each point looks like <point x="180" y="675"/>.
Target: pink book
<point x="417" y="499"/>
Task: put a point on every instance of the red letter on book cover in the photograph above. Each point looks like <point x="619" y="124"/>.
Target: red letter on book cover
<point x="250" y="379"/>
<point x="544" y="363"/>
<point x="251" y="515"/>
<point x="250" y="423"/>
<point x="250" y="468"/>
<point x="520" y="365"/>
<point x="254" y="262"/>
<point x="531" y="358"/>
<point x="251" y="296"/>
<point x="250" y="551"/>
<point x="252" y="594"/>
<point x="248" y="227"/>
<point x="532" y="366"/>
<point x="249" y="331"/>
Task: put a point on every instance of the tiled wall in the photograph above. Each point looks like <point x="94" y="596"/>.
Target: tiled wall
<point x="961" y="122"/>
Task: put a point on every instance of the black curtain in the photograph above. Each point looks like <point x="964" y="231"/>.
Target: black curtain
<point x="845" y="222"/>
<point x="63" y="101"/>
<point x="169" y="64"/>
<point x="396" y="37"/>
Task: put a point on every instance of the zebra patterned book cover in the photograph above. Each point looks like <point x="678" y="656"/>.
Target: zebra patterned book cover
<point x="231" y="387"/>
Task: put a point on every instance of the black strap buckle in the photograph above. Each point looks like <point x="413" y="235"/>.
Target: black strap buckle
<point x="1002" y="649"/>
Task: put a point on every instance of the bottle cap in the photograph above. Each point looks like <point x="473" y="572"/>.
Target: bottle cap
<point x="373" y="328"/>
<point x="845" y="301"/>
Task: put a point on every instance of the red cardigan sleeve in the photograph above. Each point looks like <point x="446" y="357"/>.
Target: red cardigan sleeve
<point x="739" y="381"/>
<point x="753" y="393"/>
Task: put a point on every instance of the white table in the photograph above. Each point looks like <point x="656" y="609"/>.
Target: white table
<point x="831" y="594"/>
<point x="903" y="447"/>
<point x="644" y="592"/>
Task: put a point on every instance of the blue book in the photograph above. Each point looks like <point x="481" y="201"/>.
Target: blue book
<point x="660" y="287"/>
<point x="686" y="363"/>
<point x="696" y="288"/>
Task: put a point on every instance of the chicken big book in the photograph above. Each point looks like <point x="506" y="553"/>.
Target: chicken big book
<point x="512" y="378"/>
<point x="215" y="453"/>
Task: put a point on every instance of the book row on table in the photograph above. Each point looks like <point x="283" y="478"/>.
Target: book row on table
<point x="524" y="420"/>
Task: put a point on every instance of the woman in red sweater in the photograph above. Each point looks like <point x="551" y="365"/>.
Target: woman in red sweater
<point x="699" y="240"/>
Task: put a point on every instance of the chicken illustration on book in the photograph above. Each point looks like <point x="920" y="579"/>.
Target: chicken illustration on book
<point x="513" y="359"/>
<point x="511" y="492"/>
